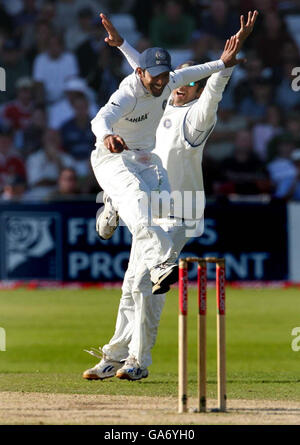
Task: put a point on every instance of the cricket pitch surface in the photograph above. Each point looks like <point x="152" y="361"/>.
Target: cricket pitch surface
<point x="20" y="408"/>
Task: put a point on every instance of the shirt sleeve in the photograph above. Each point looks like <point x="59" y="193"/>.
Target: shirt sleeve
<point x="121" y="103"/>
<point x="202" y="116"/>
<point x="131" y="54"/>
<point x="193" y="73"/>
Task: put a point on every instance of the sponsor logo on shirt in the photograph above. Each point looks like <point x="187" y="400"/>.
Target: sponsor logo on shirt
<point x="141" y="118"/>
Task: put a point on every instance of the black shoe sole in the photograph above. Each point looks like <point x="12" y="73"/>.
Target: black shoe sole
<point x="163" y="284"/>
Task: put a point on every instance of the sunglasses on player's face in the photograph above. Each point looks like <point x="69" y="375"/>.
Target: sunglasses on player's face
<point x="191" y="84"/>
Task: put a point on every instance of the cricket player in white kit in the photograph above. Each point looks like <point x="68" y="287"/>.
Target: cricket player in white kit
<point x="183" y="129"/>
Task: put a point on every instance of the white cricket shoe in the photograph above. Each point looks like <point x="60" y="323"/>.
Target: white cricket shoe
<point x="162" y="276"/>
<point x="107" y="219"/>
<point x="132" y="370"/>
<point x="105" y="369"/>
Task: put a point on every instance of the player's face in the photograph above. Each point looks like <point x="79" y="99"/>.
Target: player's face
<point x="186" y="94"/>
<point x="154" y="84"/>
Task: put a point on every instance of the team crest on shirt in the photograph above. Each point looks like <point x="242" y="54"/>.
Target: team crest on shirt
<point x="167" y="123"/>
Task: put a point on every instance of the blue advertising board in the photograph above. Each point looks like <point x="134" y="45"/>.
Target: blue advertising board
<point x="58" y="241"/>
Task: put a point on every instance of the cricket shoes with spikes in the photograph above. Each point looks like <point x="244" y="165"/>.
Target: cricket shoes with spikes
<point x="131" y="370"/>
<point x="162" y="276"/>
<point x="107" y="219"/>
<point x="105" y="369"/>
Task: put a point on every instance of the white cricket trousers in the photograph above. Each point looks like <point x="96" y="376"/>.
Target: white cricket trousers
<point x="139" y="310"/>
<point x="128" y="179"/>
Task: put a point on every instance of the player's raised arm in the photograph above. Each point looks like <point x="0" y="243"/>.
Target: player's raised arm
<point x="203" y="114"/>
<point x="246" y="29"/>
<point x="115" y="39"/>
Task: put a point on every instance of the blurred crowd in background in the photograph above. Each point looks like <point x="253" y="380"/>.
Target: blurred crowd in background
<point x="59" y="72"/>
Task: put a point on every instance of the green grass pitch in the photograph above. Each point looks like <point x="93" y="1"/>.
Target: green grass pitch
<point x="47" y="331"/>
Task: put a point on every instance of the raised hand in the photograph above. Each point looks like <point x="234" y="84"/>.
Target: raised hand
<point x="230" y="51"/>
<point x="246" y="29"/>
<point x="114" y="38"/>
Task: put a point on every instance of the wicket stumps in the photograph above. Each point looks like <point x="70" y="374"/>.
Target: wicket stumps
<point x="182" y="329"/>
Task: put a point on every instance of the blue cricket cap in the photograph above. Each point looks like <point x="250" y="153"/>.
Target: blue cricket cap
<point x="155" y="61"/>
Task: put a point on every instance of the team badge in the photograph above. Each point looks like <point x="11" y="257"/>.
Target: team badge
<point x="167" y="123"/>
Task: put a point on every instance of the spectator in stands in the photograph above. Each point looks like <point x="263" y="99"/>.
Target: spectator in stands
<point x="52" y="69"/>
<point x="200" y="44"/>
<point x="88" y="52"/>
<point x="67" y="187"/>
<point x="14" y="189"/>
<point x="263" y="132"/>
<point x="142" y="11"/>
<point x="243" y="173"/>
<point x="81" y="30"/>
<point x="40" y="43"/>
<point x="270" y="42"/>
<point x="290" y="53"/>
<point x="220" y="21"/>
<point x="290" y="133"/>
<point x="255" y="106"/>
<point x="63" y="110"/>
<point x="18" y="112"/>
<point x="32" y="136"/>
<point x="78" y="138"/>
<point x="289" y="188"/>
<point x="118" y="6"/>
<point x="67" y="10"/>
<point x="47" y="12"/>
<point x="286" y="97"/>
<point x="281" y="169"/>
<point x="24" y="21"/>
<point x="6" y="23"/>
<point x="292" y="126"/>
<point x="106" y="76"/>
<point x="15" y="67"/>
<point x="173" y="28"/>
<point x="251" y="71"/>
<point x="221" y="142"/>
<point x="43" y="166"/>
<point x="10" y="162"/>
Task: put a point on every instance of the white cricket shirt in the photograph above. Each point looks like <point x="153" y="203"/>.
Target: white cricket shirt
<point x="181" y="137"/>
<point x="134" y="114"/>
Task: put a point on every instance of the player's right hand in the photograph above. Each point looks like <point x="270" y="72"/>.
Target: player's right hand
<point x="115" y="144"/>
<point x="114" y="38"/>
<point x="230" y="51"/>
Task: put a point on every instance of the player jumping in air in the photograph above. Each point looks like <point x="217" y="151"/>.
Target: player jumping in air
<point x="128" y="353"/>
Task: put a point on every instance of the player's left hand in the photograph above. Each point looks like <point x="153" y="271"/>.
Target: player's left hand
<point x="114" y="38"/>
<point x="246" y="29"/>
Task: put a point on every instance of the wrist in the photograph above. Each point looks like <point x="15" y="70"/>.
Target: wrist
<point x="122" y="43"/>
